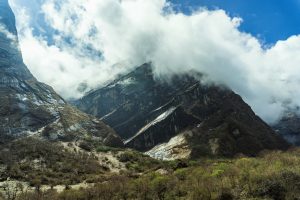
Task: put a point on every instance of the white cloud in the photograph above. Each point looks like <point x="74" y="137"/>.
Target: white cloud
<point x="131" y="32"/>
<point x="8" y="35"/>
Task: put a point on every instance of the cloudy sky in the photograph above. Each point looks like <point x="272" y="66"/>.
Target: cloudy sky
<point x="251" y="46"/>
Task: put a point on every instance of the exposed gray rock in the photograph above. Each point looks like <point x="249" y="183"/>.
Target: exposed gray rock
<point x="147" y="112"/>
<point x="28" y="107"/>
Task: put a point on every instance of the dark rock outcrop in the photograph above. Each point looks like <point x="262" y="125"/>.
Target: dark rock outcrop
<point x="146" y="112"/>
<point x="28" y="107"/>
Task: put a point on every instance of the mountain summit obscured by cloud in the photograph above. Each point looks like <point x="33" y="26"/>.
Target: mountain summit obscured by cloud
<point x="92" y="41"/>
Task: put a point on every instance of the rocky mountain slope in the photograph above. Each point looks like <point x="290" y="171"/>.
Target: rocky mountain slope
<point x="179" y="117"/>
<point x="28" y="107"/>
<point x="289" y="127"/>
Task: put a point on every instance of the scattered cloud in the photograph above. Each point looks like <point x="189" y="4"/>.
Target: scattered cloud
<point x="94" y="40"/>
<point x="8" y="35"/>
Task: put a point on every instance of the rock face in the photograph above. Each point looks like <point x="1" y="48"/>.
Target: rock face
<point x="147" y="112"/>
<point x="289" y="127"/>
<point x="28" y="107"/>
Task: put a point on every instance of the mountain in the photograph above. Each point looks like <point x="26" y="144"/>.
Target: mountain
<point x="179" y="117"/>
<point x="289" y="127"/>
<point x="31" y="108"/>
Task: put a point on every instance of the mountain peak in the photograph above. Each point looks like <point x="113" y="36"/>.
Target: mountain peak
<point x="7" y="18"/>
<point x="163" y="116"/>
<point x="11" y="62"/>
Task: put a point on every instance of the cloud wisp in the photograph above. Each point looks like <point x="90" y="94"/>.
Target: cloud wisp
<point x="94" y="40"/>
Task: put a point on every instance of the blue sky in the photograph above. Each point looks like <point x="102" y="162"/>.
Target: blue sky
<point x="129" y="33"/>
<point x="269" y="20"/>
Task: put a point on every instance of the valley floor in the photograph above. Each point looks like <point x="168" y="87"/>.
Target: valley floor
<point x="272" y="175"/>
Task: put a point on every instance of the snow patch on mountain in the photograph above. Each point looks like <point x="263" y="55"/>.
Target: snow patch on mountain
<point x="176" y="148"/>
<point x="160" y="118"/>
<point x="124" y="82"/>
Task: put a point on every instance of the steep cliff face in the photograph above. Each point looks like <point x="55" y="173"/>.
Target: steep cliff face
<point x="11" y="61"/>
<point x="28" y="107"/>
<point x="147" y="112"/>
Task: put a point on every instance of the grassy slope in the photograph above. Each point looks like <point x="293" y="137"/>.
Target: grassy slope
<point x="272" y="175"/>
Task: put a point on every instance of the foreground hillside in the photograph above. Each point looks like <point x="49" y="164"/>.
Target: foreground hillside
<point x="272" y="175"/>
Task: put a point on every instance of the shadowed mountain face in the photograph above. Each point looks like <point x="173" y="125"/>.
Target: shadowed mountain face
<point x="11" y="62"/>
<point x="28" y="107"/>
<point x="147" y="112"/>
<point x="289" y="127"/>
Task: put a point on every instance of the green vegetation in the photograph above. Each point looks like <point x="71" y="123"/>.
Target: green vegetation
<point x="136" y="162"/>
<point x="272" y="175"/>
<point x="44" y="163"/>
<point x="89" y="145"/>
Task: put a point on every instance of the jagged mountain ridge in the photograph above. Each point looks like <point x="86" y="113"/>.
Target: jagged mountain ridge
<point x="147" y="112"/>
<point x="31" y="108"/>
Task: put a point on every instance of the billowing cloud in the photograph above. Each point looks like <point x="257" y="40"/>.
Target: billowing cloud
<point x="95" y="40"/>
